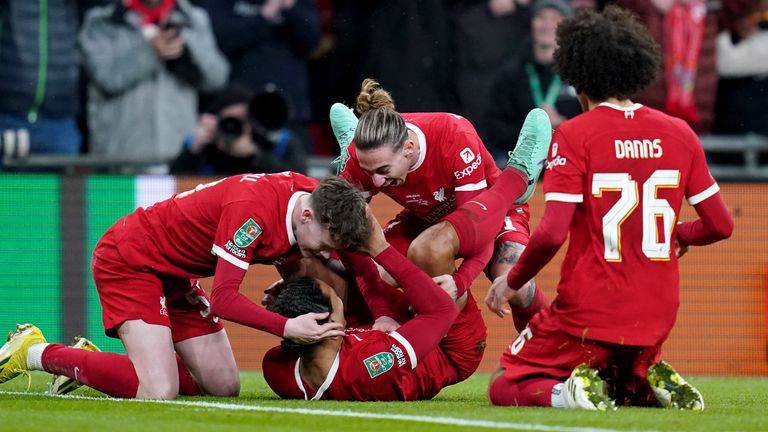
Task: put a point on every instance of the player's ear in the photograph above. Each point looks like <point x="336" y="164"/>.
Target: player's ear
<point x="409" y="147"/>
<point x="307" y="215"/>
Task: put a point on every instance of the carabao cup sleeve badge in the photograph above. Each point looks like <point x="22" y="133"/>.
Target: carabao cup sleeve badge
<point x="247" y="233"/>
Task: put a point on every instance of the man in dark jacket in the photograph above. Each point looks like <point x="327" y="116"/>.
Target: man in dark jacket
<point x="39" y="76"/>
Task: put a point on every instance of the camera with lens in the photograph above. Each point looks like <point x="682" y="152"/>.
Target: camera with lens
<point x="228" y="130"/>
<point x="268" y="113"/>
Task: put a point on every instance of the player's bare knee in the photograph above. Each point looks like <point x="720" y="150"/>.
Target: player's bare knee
<point x="158" y="391"/>
<point x="228" y="386"/>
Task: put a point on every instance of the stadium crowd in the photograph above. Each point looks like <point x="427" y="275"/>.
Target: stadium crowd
<point x="130" y="79"/>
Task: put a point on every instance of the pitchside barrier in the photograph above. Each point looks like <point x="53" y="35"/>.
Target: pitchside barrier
<point x="49" y="225"/>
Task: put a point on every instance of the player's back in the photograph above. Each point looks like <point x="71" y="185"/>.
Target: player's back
<point x="180" y="235"/>
<point x="631" y="170"/>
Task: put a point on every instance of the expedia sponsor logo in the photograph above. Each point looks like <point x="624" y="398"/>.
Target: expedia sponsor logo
<point x="467" y="155"/>
<point x="469" y="169"/>
<point x="398" y="355"/>
<point x="234" y="250"/>
<point x="557" y="161"/>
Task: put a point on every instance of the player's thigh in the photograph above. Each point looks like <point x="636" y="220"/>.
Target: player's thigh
<point x="200" y="338"/>
<point x="434" y="250"/>
<point x="542" y="349"/>
<point x="464" y="344"/>
<point x="150" y="349"/>
<point x="210" y="360"/>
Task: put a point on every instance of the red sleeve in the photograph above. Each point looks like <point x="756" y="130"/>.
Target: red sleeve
<point x="228" y="303"/>
<point x="368" y="282"/>
<point x="544" y="244"/>
<point x="714" y="224"/>
<point x="470" y="268"/>
<point x="700" y="184"/>
<point x="279" y="373"/>
<point x="435" y="310"/>
<point x="466" y="159"/>
<point x="237" y="236"/>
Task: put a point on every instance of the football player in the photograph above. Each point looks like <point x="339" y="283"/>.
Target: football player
<point x="616" y="178"/>
<point x="143" y="266"/>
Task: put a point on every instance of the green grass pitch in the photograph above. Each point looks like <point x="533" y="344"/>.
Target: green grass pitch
<point x="732" y="404"/>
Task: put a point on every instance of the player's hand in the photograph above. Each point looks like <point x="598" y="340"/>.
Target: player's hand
<point x="376" y="242"/>
<point x="386" y="324"/>
<point x="271" y="293"/>
<point x="304" y="329"/>
<point x="205" y="133"/>
<point x="498" y="296"/>
<point x="448" y="285"/>
<point x="680" y="249"/>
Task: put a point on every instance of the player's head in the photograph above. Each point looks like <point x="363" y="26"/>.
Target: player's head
<point x="606" y="55"/>
<point x="298" y="297"/>
<point x="335" y="219"/>
<point x="384" y="149"/>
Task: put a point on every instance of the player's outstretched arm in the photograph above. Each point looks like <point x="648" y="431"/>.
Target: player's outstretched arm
<point x="544" y="244"/>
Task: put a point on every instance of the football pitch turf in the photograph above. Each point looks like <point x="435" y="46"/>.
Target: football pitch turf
<point x="732" y="404"/>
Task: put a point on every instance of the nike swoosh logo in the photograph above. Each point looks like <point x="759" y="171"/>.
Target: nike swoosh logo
<point x="77" y="370"/>
<point x="480" y="204"/>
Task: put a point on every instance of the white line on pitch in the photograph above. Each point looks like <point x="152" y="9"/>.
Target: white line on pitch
<point x="452" y="421"/>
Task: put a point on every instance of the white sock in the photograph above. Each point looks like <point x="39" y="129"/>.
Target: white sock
<point x="558" y="401"/>
<point x="35" y="357"/>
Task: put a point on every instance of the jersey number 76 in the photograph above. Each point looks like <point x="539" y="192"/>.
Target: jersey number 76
<point x="652" y="208"/>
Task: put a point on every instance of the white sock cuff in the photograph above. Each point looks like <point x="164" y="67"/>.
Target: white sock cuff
<point x="35" y="356"/>
<point x="558" y="398"/>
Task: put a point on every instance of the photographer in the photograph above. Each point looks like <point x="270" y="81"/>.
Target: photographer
<point x="146" y="61"/>
<point x="239" y="133"/>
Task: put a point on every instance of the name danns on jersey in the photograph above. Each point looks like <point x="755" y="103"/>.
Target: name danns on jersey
<point x="638" y="149"/>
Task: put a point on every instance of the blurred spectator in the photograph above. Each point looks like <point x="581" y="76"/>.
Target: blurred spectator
<point x="528" y="82"/>
<point x="480" y="28"/>
<point x="146" y="60"/>
<point x="686" y="30"/>
<point x="269" y="42"/>
<point x="405" y="44"/>
<point x="39" y="76"/>
<point x="742" y="62"/>
<point x="231" y="139"/>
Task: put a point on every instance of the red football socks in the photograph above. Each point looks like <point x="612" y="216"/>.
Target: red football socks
<point x="109" y="373"/>
<point x="529" y="392"/>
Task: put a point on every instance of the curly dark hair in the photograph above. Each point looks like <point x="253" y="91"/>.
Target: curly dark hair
<point x="298" y="297"/>
<point x="341" y="209"/>
<point x="608" y="54"/>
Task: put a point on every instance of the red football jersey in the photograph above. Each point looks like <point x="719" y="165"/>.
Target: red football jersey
<point x="370" y="366"/>
<point x="452" y="158"/>
<point x="629" y="169"/>
<point x="243" y="219"/>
